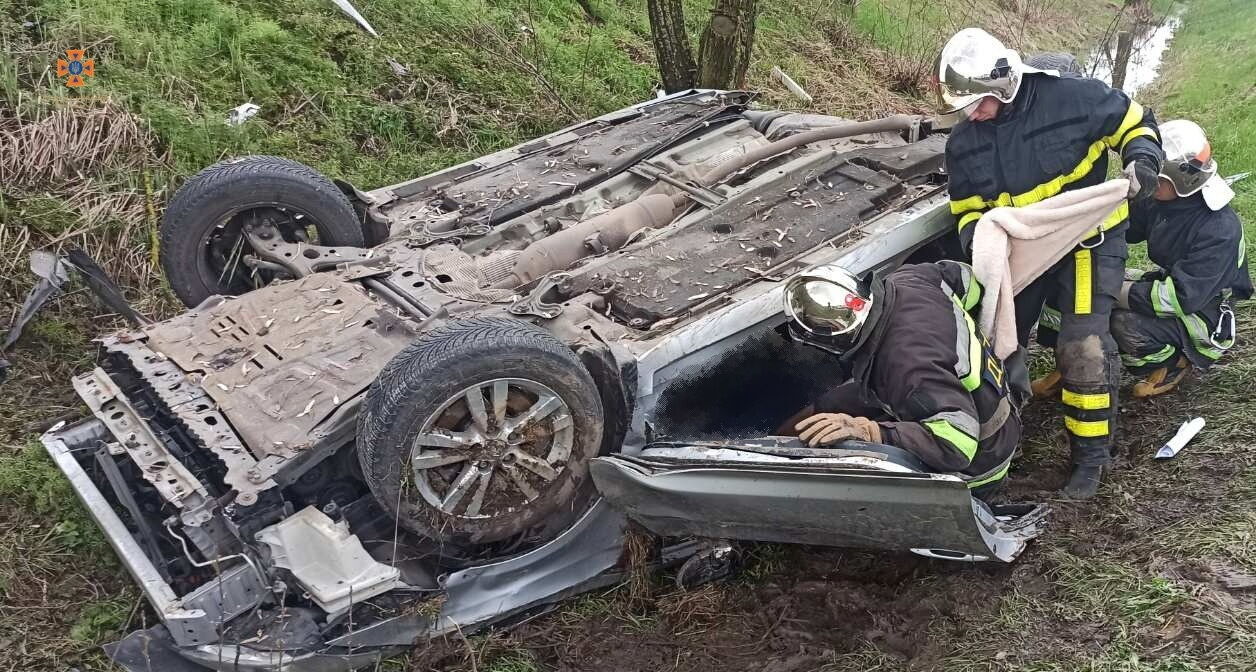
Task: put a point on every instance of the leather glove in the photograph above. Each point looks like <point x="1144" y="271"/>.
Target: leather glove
<point x="1144" y="175"/>
<point x="1123" y="301"/>
<point x="826" y="429"/>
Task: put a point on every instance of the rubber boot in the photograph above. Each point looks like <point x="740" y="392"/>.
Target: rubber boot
<point x="1163" y="379"/>
<point x="1083" y="482"/>
<point x="1089" y="464"/>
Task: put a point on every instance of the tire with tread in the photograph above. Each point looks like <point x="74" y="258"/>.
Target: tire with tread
<point x="1065" y="62"/>
<point x="229" y="187"/>
<point x="432" y="370"/>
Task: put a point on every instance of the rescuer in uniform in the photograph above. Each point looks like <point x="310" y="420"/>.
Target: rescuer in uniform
<point x="1180" y="314"/>
<point x="1026" y="135"/>
<point x="922" y="377"/>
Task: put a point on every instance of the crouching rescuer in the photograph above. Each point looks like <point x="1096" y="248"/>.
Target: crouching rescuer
<point x="1180" y="314"/>
<point x="921" y="375"/>
<point x="1026" y="135"/>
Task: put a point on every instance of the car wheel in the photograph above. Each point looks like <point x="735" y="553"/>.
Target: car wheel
<point x="482" y="430"/>
<point x="203" y="248"/>
<point x="1062" y="61"/>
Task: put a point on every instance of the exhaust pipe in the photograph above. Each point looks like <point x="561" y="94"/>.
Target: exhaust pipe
<point x="611" y="230"/>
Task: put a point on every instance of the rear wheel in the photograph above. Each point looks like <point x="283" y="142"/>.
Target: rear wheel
<point x="203" y="249"/>
<point x="480" y="431"/>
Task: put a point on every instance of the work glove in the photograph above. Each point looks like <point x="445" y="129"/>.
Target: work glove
<point x="826" y="429"/>
<point x="1144" y="176"/>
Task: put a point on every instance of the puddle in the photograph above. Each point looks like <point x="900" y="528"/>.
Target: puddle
<point x="1147" y="50"/>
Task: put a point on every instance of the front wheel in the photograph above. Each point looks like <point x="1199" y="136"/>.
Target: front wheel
<point x="203" y="248"/>
<point x="482" y="430"/>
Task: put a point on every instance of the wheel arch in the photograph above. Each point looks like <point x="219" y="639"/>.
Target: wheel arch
<point x="616" y="383"/>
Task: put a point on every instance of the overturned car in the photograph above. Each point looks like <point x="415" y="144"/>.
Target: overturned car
<point x="436" y="406"/>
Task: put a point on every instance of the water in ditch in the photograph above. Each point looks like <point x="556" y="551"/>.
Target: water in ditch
<point x="1149" y="45"/>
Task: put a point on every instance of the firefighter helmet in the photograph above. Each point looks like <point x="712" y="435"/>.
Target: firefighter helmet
<point x="827" y="307"/>
<point x="973" y="65"/>
<point x="1188" y="164"/>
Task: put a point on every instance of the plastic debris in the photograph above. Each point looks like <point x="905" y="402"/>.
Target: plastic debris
<point x="799" y="93"/>
<point x="346" y="7"/>
<point x="242" y="113"/>
<point x="1185" y="433"/>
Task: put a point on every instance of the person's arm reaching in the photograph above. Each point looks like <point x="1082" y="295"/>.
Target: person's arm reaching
<point x="1197" y="278"/>
<point x="1128" y="128"/>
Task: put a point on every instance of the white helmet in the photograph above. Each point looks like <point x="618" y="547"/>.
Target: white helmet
<point x="1188" y="164"/>
<point x="973" y="65"/>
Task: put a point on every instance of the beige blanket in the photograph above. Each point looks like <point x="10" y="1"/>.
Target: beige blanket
<point x="1013" y="246"/>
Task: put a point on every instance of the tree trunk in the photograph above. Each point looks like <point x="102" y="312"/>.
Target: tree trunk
<point x="726" y="45"/>
<point x="671" y="44"/>
<point x="1124" y="41"/>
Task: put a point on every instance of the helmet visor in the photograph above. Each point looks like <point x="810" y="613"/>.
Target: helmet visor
<point x="958" y="90"/>
<point x="1189" y="175"/>
<point x="823" y="308"/>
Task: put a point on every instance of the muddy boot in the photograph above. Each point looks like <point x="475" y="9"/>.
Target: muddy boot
<point x="1047" y="386"/>
<point x="1083" y="483"/>
<point x="1090" y="461"/>
<point x="1163" y="379"/>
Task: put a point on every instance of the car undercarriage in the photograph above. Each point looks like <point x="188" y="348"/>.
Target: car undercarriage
<point x="449" y="421"/>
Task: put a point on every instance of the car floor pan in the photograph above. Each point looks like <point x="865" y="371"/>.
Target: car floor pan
<point x="812" y="503"/>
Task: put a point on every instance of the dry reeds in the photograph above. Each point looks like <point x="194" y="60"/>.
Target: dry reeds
<point x="76" y="175"/>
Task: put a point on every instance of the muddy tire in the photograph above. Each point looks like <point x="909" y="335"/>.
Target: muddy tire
<point x="1065" y="62"/>
<point x="202" y="244"/>
<point x="482" y="430"/>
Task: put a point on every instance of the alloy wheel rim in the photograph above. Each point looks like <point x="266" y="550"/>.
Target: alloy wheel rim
<point x="492" y="448"/>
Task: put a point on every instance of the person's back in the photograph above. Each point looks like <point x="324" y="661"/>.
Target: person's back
<point x="922" y="374"/>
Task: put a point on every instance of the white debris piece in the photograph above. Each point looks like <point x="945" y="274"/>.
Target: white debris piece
<point x="242" y="113"/>
<point x="1185" y="433"/>
<point x="328" y="561"/>
<point x="346" y="7"/>
<point x="780" y="76"/>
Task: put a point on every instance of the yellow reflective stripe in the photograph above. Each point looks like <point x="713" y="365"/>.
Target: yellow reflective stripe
<point x="972" y="379"/>
<point x="1146" y="360"/>
<point x="1087" y="402"/>
<point x="1047" y="189"/>
<point x="1086" y="428"/>
<point x="954" y="436"/>
<point x="1133" y="115"/>
<point x="991" y="478"/>
<point x="971" y="294"/>
<point x="1137" y="133"/>
<point x="966" y="204"/>
<point x="1120" y="214"/>
<point x="968" y="219"/>
<point x="1082" y="279"/>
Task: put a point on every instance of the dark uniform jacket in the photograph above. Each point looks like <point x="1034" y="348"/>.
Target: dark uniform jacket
<point x="931" y="376"/>
<point x="1202" y="256"/>
<point x="1053" y="137"/>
